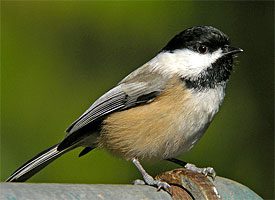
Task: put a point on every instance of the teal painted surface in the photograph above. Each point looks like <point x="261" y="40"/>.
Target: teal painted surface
<point x="228" y="189"/>
<point x="22" y="191"/>
<point x="231" y="190"/>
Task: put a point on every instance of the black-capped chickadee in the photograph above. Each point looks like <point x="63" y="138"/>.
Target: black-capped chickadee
<point x="158" y="111"/>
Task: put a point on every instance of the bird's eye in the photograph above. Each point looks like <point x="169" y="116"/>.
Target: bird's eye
<point x="202" y="49"/>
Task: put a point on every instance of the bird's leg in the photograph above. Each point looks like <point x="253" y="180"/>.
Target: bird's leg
<point x="207" y="171"/>
<point x="177" y="161"/>
<point x="149" y="180"/>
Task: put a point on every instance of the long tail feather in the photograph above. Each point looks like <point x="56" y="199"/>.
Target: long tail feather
<point x="36" y="164"/>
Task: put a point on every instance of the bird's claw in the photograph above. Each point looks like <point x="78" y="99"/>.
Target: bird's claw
<point x="162" y="185"/>
<point x="206" y="171"/>
<point x="209" y="171"/>
<point x="152" y="182"/>
<point x="149" y="180"/>
<point x="138" y="182"/>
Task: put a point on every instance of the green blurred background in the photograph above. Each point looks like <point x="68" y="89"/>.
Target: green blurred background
<point x="59" y="57"/>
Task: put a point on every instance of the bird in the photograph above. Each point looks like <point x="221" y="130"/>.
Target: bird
<point x="157" y="112"/>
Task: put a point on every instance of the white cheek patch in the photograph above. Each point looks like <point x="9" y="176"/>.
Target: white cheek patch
<point x="185" y="62"/>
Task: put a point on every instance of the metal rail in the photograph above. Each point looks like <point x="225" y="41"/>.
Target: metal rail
<point x="185" y="185"/>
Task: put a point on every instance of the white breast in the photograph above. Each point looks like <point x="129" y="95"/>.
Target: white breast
<point x="198" y="113"/>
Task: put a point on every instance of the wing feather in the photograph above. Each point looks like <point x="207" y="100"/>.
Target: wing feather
<point x="130" y="92"/>
<point x="113" y="99"/>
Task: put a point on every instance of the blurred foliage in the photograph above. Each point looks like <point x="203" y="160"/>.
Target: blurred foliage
<point x="58" y="57"/>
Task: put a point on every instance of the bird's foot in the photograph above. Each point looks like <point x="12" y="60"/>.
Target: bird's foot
<point x="207" y="171"/>
<point x="149" y="180"/>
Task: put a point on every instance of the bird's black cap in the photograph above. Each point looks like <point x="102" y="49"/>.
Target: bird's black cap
<point x="192" y="37"/>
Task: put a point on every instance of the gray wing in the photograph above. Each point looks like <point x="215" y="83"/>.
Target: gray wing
<point x="139" y="87"/>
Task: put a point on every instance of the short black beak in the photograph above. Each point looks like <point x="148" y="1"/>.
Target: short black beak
<point x="228" y="50"/>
